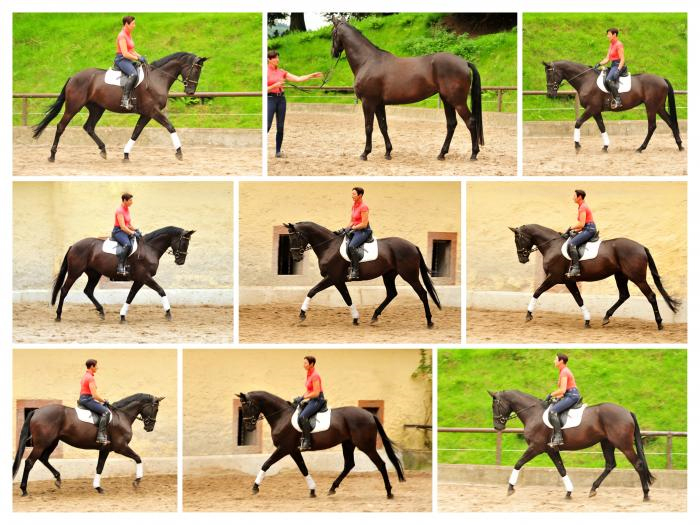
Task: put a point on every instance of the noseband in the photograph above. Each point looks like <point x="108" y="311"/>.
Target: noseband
<point x="302" y="244"/>
<point x="504" y="419"/>
<point x="178" y="252"/>
<point x="148" y="419"/>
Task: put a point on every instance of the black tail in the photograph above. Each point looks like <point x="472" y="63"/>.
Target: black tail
<point x="672" y="106"/>
<point x="646" y="473"/>
<point x="428" y="281"/>
<point x="389" y="449"/>
<point x="24" y="436"/>
<point x="672" y="303"/>
<point x="476" y="102"/>
<point x="58" y="282"/>
<point x="54" y="109"/>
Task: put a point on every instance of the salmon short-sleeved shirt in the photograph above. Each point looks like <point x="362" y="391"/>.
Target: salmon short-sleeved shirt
<point x="275" y="75"/>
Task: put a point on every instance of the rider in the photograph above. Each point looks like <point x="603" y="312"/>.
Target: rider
<point x="358" y="231"/>
<point x="616" y="53"/>
<point x="586" y="230"/>
<point x="276" y="103"/>
<point x="123" y="231"/>
<point x="126" y="55"/>
<point x="312" y="401"/>
<point x="568" y="396"/>
<point x="90" y="399"/>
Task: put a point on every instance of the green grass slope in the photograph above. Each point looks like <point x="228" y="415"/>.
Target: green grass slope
<point x="406" y="34"/>
<point x="50" y="47"/>
<point x="654" y="43"/>
<point x="650" y="383"/>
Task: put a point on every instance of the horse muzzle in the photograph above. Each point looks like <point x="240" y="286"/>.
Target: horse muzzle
<point x="498" y="425"/>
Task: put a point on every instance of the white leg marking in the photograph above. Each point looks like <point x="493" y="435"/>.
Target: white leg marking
<point x="124" y="309"/>
<point x="259" y="479"/>
<point x="606" y="139"/>
<point x="567" y="483"/>
<point x="310" y="482"/>
<point x="166" y="303"/>
<point x="176" y="140"/>
<point x="305" y="305"/>
<point x="531" y="306"/>
<point x="96" y="481"/>
<point x="577" y="134"/>
<point x="129" y="145"/>
<point x="586" y="313"/>
<point x="139" y="470"/>
<point x="514" y="477"/>
<point x="353" y="311"/>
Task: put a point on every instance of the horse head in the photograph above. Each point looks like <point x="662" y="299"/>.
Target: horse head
<point x="190" y="72"/>
<point x="179" y="246"/>
<point x="148" y="413"/>
<point x="297" y="242"/>
<point x="501" y="410"/>
<point x="337" y="43"/>
<point x="555" y="77"/>
<point x="251" y="412"/>
<point x="523" y="244"/>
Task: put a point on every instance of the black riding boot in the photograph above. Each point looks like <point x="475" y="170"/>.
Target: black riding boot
<point x="575" y="269"/>
<point x="355" y="257"/>
<point x="102" y="438"/>
<point x="122" y="256"/>
<point x="305" y="434"/>
<point x="128" y="89"/>
<point x="616" y="102"/>
<point x="557" y="438"/>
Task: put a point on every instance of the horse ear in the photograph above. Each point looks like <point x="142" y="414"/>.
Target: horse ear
<point x="201" y="60"/>
<point x="189" y="233"/>
<point x="492" y="394"/>
<point x="343" y="19"/>
<point x="290" y="227"/>
<point x="545" y="64"/>
<point x="159" y="399"/>
<point x="514" y="230"/>
<point x="241" y="396"/>
<point x="334" y="20"/>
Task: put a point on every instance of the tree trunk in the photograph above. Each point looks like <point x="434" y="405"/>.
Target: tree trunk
<point x="296" y="22"/>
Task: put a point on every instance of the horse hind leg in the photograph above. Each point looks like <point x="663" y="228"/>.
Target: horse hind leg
<point x="451" y="118"/>
<point x="413" y="280"/>
<point x="651" y="297"/>
<point x="349" y="464"/>
<point x="622" y="287"/>
<point x="44" y="458"/>
<point x="651" y="126"/>
<point x="89" y="127"/>
<point x="674" y="128"/>
<point x="70" y="279"/>
<point x="391" y="293"/>
<point x="93" y="279"/>
<point x="637" y="463"/>
<point x="609" y="455"/>
<point x="28" y="465"/>
<point x="471" y="126"/>
<point x="381" y="466"/>
<point x="381" y="120"/>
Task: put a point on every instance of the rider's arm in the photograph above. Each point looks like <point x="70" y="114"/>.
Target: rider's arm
<point x="316" y="390"/>
<point x="123" y="50"/>
<point x="93" y="392"/>
<point x="605" y="60"/>
<point x="364" y="223"/>
<point x="562" y="388"/>
<point x="276" y="85"/>
<point x="122" y="224"/>
<point x="622" y="57"/>
<point x="581" y="221"/>
<point x="303" y="78"/>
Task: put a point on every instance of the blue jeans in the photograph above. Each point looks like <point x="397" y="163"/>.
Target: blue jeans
<point x="584" y="235"/>
<point x="312" y="407"/>
<point x="276" y="105"/>
<point x="614" y="71"/>
<point x="121" y="236"/>
<point x="125" y="65"/>
<point x="89" y="402"/>
<point x="570" y="399"/>
<point x="359" y="237"/>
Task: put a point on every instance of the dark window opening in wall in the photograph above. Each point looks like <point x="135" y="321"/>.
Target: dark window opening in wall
<point x="243" y="437"/>
<point x="285" y="263"/>
<point x="442" y="256"/>
<point x="245" y="442"/>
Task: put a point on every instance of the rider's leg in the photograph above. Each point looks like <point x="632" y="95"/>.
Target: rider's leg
<point x="613" y="78"/>
<point x="127" y="67"/>
<point x="122" y="255"/>
<point x="359" y="237"/>
<point x="309" y="410"/>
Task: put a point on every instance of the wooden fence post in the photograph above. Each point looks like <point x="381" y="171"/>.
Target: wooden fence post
<point x="25" y="110"/>
<point x="669" y="451"/>
<point x="500" y="100"/>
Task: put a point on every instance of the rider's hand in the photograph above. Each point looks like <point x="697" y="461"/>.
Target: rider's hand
<point x="341" y="231"/>
<point x="143" y="60"/>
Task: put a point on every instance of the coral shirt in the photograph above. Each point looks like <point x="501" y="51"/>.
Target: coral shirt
<point x="129" y="41"/>
<point x="570" y="381"/>
<point x="615" y="49"/>
<point x="124" y="211"/>
<point x="275" y="75"/>
<point x="356" y="212"/>
<point x="87" y="380"/>
<point x="589" y="213"/>
<point x="311" y="376"/>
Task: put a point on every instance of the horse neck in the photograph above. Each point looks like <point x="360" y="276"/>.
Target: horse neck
<point x="576" y="72"/>
<point x="358" y="48"/>
<point x="318" y="238"/>
<point x="168" y="72"/>
<point x="520" y="402"/>
<point x="132" y="410"/>
<point x="541" y="236"/>
<point x="272" y="407"/>
<point x="160" y="244"/>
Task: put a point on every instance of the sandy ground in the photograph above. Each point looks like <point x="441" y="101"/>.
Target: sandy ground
<point x="557" y="156"/>
<point x="486" y="326"/>
<point x="155" y="494"/>
<point x="279" y="323"/>
<point x="145" y="160"/>
<point x="34" y="323"/>
<point x="287" y="492"/>
<point x="330" y="143"/>
<point x="467" y="497"/>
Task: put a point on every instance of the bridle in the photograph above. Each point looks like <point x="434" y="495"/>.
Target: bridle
<point x="306" y="244"/>
<point x="186" y="77"/>
<point x="178" y="252"/>
<point x="253" y="420"/>
<point x="504" y="419"/>
<point x="148" y="419"/>
<point x="525" y="252"/>
<point x="557" y="84"/>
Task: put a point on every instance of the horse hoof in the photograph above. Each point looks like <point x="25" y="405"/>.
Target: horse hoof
<point x="472" y="158"/>
<point x="58" y="319"/>
<point x="101" y="314"/>
<point x="605" y="149"/>
<point x="331" y="491"/>
<point x="126" y="157"/>
<point x="374" y="319"/>
<point x="387" y="156"/>
<point x="103" y="153"/>
<point x="168" y="315"/>
<point x="390" y="496"/>
<point x="606" y="320"/>
<point x="659" y="326"/>
<point x="441" y="157"/>
<point x="57" y="483"/>
<point x="639" y="150"/>
<point x="577" y="146"/>
<point x="511" y="490"/>
<point x="52" y="159"/>
<point x="568" y="495"/>
<point x="302" y="315"/>
<point x="363" y="157"/>
<point x="528" y="317"/>
<point x="99" y="490"/>
<point x="312" y="493"/>
<point x="646" y="497"/>
<point x="122" y="319"/>
<point x="587" y="324"/>
<point x="136" y="483"/>
<point x="680" y="147"/>
<point x="178" y="154"/>
<point x="256" y="488"/>
<point x="356" y="322"/>
<point x="592" y="493"/>
<point x="430" y="324"/>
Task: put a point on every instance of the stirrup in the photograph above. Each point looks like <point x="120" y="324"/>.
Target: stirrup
<point x="126" y="103"/>
<point x="573" y="272"/>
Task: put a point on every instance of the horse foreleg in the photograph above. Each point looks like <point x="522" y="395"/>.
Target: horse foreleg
<point x="97" y="480"/>
<point x="368" y="108"/>
<point x="348" y="300"/>
<point x="143" y="120"/>
<point x="530" y="453"/>
<point x="556" y="459"/>
<point x="651" y="126"/>
<point x="451" y="118"/>
<point x="674" y="127"/>
<point x="603" y="133"/>
<point x="577" y="128"/>
<point x="623" y="290"/>
<point x="381" y="466"/>
<point x="546" y="285"/>
<point x="274" y="458"/>
<point x="381" y="120"/>
<point x="325" y="283"/>
<point x="391" y="293"/>
<point x="129" y="453"/>
<point x="609" y="455"/>
<point x="96" y="113"/>
<point x="153" y="285"/>
<point x="349" y="463"/>
<point x="299" y="460"/>
<point x="651" y="297"/>
<point x="573" y="289"/>
<point x="45" y="461"/>
<point x="163" y="121"/>
<point x="132" y="293"/>
<point x="93" y="279"/>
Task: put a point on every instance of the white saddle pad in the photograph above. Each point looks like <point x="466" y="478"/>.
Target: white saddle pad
<point x="113" y="77"/>
<point x="86" y="415"/>
<point x="323" y="421"/>
<point x="624" y="87"/>
<point x="573" y="419"/>
<point x="110" y="246"/>
<point x="371" y="250"/>
<point x="589" y="252"/>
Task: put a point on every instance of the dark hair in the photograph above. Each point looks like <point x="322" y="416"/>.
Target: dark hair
<point x="360" y="191"/>
<point x="580" y="193"/>
<point x="90" y="363"/>
<point x="613" y="30"/>
<point x="272" y="53"/>
<point x="128" y="19"/>
<point x="311" y="359"/>
<point x="126" y="196"/>
<point x="563" y="357"/>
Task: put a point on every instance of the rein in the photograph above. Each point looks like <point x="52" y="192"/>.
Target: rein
<point x="178" y="252"/>
<point x="260" y="416"/>
<point x="326" y="77"/>
<point x="186" y="77"/>
<point x="525" y="251"/>
<point x="557" y="84"/>
<point x="308" y="245"/>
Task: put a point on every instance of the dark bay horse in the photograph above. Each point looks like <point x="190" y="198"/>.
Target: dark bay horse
<point x="86" y="256"/>
<point x="87" y="88"/>
<point x="611" y="425"/>
<point x="383" y="79"/>
<point x="626" y="259"/>
<point x="48" y="425"/>
<point x="396" y="257"/>
<point x="647" y="89"/>
<point x="350" y="427"/>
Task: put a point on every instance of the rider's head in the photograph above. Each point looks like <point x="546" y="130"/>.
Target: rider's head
<point x="579" y="196"/>
<point x="91" y="364"/>
<point x="273" y="57"/>
<point x="357" y="193"/>
<point x="309" y="362"/>
<point x="129" y="22"/>
<point x="560" y="360"/>
<point x="612" y="32"/>
<point x="127" y="199"/>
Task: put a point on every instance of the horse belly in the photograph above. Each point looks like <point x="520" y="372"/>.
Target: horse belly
<point x="408" y="81"/>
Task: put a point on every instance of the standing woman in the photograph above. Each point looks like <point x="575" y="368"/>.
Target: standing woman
<point x="276" y="103"/>
<point x="126" y="55"/>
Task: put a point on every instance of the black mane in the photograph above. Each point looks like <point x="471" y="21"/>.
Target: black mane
<point x="173" y="56"/>
<point x="131" y="399"/>
<point x="368" y="40"/>
<point x="169" y="230"/>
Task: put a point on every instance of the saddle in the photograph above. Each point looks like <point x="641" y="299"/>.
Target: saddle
<point x="320" y="422"/>
<point x="569" y="418"/>
<point x="369" y="249"/>
<point x="88" y="416"/>
<point x="587" y="250"/>
<point x="624" y="83"/>
<point x="111" y="246"/>
<point x="115" y="77"/>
